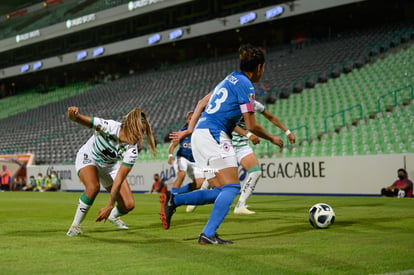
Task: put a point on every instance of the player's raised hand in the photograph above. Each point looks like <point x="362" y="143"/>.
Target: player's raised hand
<point x="73" y="112"/>
<point x="177" y="136"/>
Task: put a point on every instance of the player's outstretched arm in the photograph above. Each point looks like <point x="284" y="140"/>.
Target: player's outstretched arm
<point x="280" y="125"/>
<point x="258" y="130"/>
<point x="74" y="115"/>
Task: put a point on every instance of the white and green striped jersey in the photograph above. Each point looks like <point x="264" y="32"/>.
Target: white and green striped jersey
<point x="238" y="140"/>
<point x="105" y="145"/>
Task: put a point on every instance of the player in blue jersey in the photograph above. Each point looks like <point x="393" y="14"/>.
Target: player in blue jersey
<point x="212" y="146"/>
<point x="106" y="159"/>
<point x="184" y="163"/>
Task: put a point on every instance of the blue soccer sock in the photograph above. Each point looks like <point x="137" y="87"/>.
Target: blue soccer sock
<point x="221" y="208"/>
<point x="186" y="188"/>
<point x="174" y="190"/>
<point x="198" y="197"/>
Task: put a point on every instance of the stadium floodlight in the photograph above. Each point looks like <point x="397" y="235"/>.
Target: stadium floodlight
<point x="24" y="68"/>
<point x="274" y="12"/>
<point x="98" y="51"/>
<point x="81" y="55"/>
<point x="250" y="17"/>
<point x="37" y="65"/>
<point x="176" y="34"/>
<point x="154" y="39"/>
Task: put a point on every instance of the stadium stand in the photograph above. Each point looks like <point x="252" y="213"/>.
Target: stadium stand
<point x="54" y="14"/>
<point x="38" y="97"/>
<point x="369" y="91"/>
<point x="314" y="108"/>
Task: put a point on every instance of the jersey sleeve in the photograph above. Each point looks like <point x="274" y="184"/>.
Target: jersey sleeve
<point x="106" y="127"/>
<point x="100" y="124"/>
<point x="246" y="94"/>
<point x="130" y="156"/>
<point x="258" y="107"/>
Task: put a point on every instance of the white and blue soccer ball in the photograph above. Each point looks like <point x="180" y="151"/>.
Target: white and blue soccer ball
<point x="321" y="215"/>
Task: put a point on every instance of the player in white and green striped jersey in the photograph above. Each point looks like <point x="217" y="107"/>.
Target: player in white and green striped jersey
<point x="246" y="157"/>
<point x="106" y="159"/>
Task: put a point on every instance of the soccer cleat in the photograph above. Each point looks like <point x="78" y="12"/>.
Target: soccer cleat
<point x="74" y="230"/>
<point x="190" y="208"/>
<point x="167" y="208"/>
<point x="118" y="223"/>
<point x="203" y="240"/>
<point x="243" y="210"/>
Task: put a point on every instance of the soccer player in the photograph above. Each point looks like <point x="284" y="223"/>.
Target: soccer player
<point x="247" y="158"/>
<point x="211" y="143"/>
<point x="98" y="162"/>
<point x="184" y="163"/>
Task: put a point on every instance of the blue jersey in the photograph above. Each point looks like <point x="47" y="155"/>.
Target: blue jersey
<point x="185" y="147"/>
<point x="232" y="97"/>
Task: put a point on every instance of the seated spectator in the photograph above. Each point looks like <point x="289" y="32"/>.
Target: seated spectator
<point x="46" y="183"/>
<point x="159" y="185"/>
<point x="403" y="187"/>
<point x="30" y="185"/>
<point x="39" y="182"/>
<point x="52" y="183"/>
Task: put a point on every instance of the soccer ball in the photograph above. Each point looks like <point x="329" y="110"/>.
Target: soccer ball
<point x="321" y="215"/>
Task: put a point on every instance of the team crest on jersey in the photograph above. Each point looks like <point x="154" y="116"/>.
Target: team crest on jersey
<point x="226" y="146"/>
<point x="251" y="97"/>
<point x="86" y="159"/>
<point x="186" y="145"/>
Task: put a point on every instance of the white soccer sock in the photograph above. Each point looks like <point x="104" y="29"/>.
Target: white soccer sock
<point x="248" y="187"/>
<point x="115" y="213"/>
<point x="81" y="212"/>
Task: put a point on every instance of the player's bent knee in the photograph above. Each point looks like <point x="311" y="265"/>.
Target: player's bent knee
<point x="129" y="206"/>
<point x="91" y="190"/>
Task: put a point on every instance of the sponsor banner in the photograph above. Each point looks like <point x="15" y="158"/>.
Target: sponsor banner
<point x="70" y="23"/>
<point x="347" y="175"/>
<point x="132" y="5"/>
<point x="27" y="36"/>
<point x="140" y="178"/>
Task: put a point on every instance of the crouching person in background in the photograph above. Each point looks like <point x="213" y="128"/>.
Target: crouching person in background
<point x="401" y="188"/>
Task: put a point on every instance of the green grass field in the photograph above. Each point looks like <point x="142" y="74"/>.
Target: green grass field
<point x="371" y="235"/>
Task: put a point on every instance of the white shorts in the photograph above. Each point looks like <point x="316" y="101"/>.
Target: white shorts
<point x="241" y="152"/>
<point x="183" y="164"/>
<point x="211" y="156"/>
<point x="106" y="172"/>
